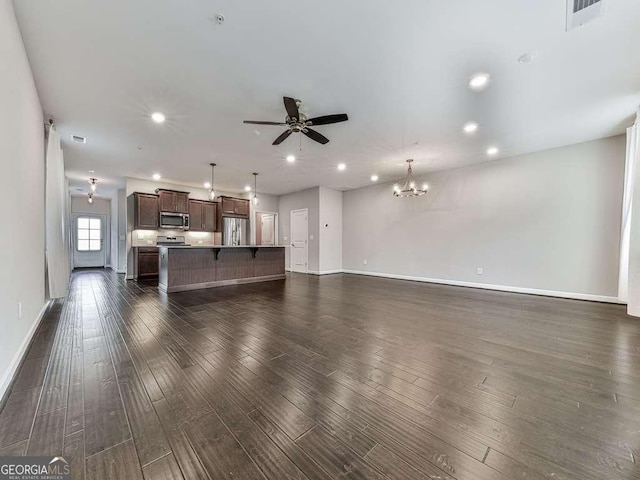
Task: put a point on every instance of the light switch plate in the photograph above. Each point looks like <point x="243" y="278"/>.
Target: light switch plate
<point x="480" y="271"/>
<point x="310" y="237"/>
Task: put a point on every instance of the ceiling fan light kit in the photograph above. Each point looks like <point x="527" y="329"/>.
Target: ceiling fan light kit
<point x="298" y="122"/>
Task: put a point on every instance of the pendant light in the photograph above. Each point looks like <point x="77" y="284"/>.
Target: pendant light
<point x="409" y="189"/>
<point x="90" y="199"/>
<point x="212" y="192"/>
<point x="255" y="189"/>
<point x="93" y="184"/>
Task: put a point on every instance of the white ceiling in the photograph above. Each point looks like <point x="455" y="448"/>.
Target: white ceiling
<point x="399" y="69"/>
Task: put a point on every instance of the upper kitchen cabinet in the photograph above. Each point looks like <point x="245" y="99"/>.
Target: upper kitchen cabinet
<point x="146" y="213"/>
<point x="173" y="201"/>
<point x="234" y="207"/>
<point x="202" y="216"/>
<point x="209" y="216"/>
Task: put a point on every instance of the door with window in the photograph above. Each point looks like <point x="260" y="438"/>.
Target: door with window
<point x="89" y="245"/>
<point x="299" y="240"/>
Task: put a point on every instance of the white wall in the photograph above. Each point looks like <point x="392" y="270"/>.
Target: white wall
<point x="548" y="221"/>
<point x="22" y="276"/>
<point x="122" y="231"/>
<point x="330" y="230"/>
<point x="309" y="199"/>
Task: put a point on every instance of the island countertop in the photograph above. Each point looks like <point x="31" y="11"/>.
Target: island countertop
<point x="191" y="267"/>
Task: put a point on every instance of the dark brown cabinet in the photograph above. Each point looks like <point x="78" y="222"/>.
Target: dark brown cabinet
<point x="146" y="213"/>
<point x="234" y="207"/>
<point x="202" y="216"/>
<point x="209" y="216"/>
<point x="172" y="201"/>
<point x="148" y="262"/>
<point x="242" y="208"/>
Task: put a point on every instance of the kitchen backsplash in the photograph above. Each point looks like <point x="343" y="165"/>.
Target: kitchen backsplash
<point x="145" y="238"/>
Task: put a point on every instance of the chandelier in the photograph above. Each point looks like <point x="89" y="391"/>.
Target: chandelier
<point x="409" y="189"/>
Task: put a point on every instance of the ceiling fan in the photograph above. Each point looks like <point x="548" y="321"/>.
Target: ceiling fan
<point x="299" y="123"/>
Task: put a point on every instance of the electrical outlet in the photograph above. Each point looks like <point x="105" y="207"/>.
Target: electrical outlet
<point x="365" y="261"/>
<point x="19" y="310"/>
<point x="310" y="237"/>
<point x="149" y="242"/>
<point x="285" y="238"/>
<point x="140" y="235"/>
<point x="480" y="271"/>
<point x="199" y="242"/>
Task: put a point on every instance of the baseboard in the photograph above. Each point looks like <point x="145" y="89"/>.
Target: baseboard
<point x="325" y="272"/>
<point x="8" y="377"/>
<point x="487" y="286"/>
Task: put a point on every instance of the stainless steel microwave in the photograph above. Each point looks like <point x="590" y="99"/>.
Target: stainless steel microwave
<point x="174" y="221"/>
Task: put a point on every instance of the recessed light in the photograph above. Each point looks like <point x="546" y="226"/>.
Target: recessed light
<point x="207" y="185"/>
<point x="341" y="166"/>
<point x="247" y="188"/>
<point x="492" y="151"/>
<point x="291" y="159"/>
<point x="470" y="127"/>
<point x="157" y="176"/>
<point x="374" y="178"/>
<point x="158" y="117"/>
<point x="479" y="81"/>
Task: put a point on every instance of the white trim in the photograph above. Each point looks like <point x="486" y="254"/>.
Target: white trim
<point x="487" y="286"/>
<point x="325" y="272"/>
<point x="10" y="373"/>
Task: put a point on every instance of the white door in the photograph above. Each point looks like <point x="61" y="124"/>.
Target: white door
<point x="299" y="241"/>
<point x="268" y="231"/>
<point x="88" y="240"/>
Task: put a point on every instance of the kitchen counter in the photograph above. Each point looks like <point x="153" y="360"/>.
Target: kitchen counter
<point x="184" y="267"/>
<point x="223" y="246"/>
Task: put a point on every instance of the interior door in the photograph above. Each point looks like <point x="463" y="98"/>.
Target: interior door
<point x="268" y="230"/>
<point x="89" y="240"/>
<point x="299" y="241"/>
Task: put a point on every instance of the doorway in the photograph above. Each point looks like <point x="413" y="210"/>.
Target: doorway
<point x="89" y="232"/>
<point x="299" y="240"/>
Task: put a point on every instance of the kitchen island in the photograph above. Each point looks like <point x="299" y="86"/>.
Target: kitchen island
<point x="195" y="267"/>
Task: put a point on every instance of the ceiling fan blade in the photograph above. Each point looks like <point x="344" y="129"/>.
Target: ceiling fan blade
<point x="292" y="108"/>
<point x="282" y="137"/>
<point x="257" y="122"/>
<point x="328" y="119"/>
<point x="313" y="135"/>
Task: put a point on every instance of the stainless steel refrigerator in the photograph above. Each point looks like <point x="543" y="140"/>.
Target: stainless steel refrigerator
<point x="235" y="231"/>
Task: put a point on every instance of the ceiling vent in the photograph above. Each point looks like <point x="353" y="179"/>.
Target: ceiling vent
<point x="580" y="12"/>
<point x="78" y="139"/>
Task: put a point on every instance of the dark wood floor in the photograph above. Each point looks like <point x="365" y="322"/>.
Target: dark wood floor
<point x="333" y="377"/>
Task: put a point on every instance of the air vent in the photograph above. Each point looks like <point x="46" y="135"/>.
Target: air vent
<point x="580" y="12"/>
<point x="78" y="139"/>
